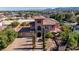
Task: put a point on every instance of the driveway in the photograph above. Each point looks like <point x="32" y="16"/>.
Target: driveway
<point x="23" y="44"/>
<point x="19" y="44"/>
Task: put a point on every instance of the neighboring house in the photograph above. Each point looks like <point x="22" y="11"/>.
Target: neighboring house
<point x="76" y="28"/>
<point x="1" y="23"/>
<point x="2" y="27"/>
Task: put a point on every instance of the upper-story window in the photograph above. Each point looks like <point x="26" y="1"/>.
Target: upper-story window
<point x="53" y="26"/>
<point x="38" y="21"/>
<point x="46" y="27"/>
<point x="39" y="28"/>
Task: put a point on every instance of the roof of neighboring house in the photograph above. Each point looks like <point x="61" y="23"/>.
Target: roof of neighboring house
<point x="49" y="21"/>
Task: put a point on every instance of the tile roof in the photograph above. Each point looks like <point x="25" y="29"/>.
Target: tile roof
<point x="49" y="21"/>
<point x="46" y="21"/>
<point x="55" y="30"/>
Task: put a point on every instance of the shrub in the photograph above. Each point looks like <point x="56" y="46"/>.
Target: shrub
<point x="3" y="41"/>
<point x="11" y="34"/>
<point x="6" y="37"/>
<point x="48" y="35"/>
<point x="73" y="40"/>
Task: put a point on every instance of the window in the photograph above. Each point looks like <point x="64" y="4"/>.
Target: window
<point x="38" y="21"/>
<point x="39" y="34"/>
<point x="39" y="28"/>
<point x="52" y="25"/>
<point x="46" y="27"/>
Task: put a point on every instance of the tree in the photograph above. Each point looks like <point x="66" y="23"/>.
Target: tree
<point x="11" y="34"/>
<point x="68" y="16"/>
<point x="64" y="35"/>
<point x="52" y="36"/>
<point x="69" y="36"/>
<point x="72" y="19"/>
<point x="48" y="35"/>
<point x="3" y="41"/>
<point x="72" y="40"/>
<point x="77" y="20"/>
<point x="25" y="16"/>
<point x="66" y="28"/>
<point x="7" y="36"/>
<point x="53" y="16"/>
<point x="58" y="17"/>
<point x="14" y="24"/>
<point x="77" y="13"/>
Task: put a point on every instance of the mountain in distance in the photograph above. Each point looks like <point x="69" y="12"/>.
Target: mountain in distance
<point x="48" y="9"/>
<point x="67" y="8"/>
<point x="63" y="9"/>
<point x="22" y="8"/>
<point x="45" y="9"/>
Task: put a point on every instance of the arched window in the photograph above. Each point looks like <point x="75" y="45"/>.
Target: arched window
<point x="39" y="34"/>
<point x="39" y="28"/>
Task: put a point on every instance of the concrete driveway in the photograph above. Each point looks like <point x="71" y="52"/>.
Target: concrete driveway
<point x="24" y="44"/>
<point x="20" y="44"/>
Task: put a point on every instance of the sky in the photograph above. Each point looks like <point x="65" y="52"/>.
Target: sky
<point x="34" y="4"/>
